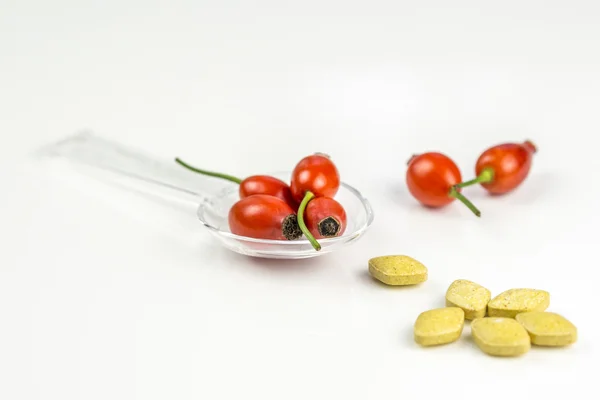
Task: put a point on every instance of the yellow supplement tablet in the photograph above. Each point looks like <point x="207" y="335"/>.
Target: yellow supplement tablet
<point x="547" y="328"/>
<point x="515" y="301"/>
<point x="503" y="337"/>
<point x="397" y="270"/>
<point x="439" y="326"/>
<point x="470" y="296"/>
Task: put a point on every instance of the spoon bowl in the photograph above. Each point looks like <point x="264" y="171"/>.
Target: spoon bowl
<point x="213" y="214"/>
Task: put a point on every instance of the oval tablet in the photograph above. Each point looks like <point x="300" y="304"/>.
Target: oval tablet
<point x="471" y="297"/>
<point x="439" y="326"/>
<point x="503" y="337"/>
<point x="397" y="270"/>
<point x="515" y="301"/>
<point x="547" y="328"/>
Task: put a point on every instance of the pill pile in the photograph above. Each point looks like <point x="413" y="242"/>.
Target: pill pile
<point x="506" y="325"/>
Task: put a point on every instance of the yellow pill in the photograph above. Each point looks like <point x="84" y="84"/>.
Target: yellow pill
<point x="515" y="301"/>
<point x="397" y="270"/>
<point x="547" y="328"/>
<point x="439" y="326"/>
<point x="503" y="337"/>
<point x="470" y="296"/>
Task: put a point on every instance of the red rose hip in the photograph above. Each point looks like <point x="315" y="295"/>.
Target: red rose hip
<point x="255" y="184"/>
<point x="502" y="168"/>
<point x="431" y="178"/>
<point x="316" y="174"/>
<point x="262" y="216"/>
<point x="325" y="217"/>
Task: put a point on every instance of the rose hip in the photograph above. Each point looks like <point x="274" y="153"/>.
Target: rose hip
<point x="316" y="174"/>
<point x="325" y="217"/>
<point x="255" y="184"/>
<point x="263" y="216"/>
<point x="502" y="168"/>
<point x="431" y="178"/>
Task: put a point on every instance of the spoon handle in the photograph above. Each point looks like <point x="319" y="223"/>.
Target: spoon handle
<point x="86" y="148"/>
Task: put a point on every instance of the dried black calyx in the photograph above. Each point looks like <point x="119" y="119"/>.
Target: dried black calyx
<point x="329" y="227"/>
<point x="290" y="228"/>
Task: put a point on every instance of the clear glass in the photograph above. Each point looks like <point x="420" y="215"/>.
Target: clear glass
<point x="180" y="184"/>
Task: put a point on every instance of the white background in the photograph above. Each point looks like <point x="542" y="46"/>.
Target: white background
<point x="107" y="295"/>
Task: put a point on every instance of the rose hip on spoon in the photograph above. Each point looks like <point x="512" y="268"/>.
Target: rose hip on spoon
<point x="315" y="177"/>
<point x="325" y="217"/>
<point x="317" y="174"/>
<point x="255" y="184"/>
<point x="263" y="216"/>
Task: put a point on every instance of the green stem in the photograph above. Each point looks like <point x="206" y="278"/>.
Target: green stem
<point x="209" y="173"/>
<point x="486" y="175"/>
<point x="307" y="197"/>
<point x="457" y="195"/>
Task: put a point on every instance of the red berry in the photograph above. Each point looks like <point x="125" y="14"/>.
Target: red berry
<point x="502" y="168"/>
<point x="264" y="184"/>
<point x="325" y="217"/>
<point x="262" y="216"/>
<point x="255" y="184"/>
<point x="431" y="178"/>
<point x="317" y="174"/>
